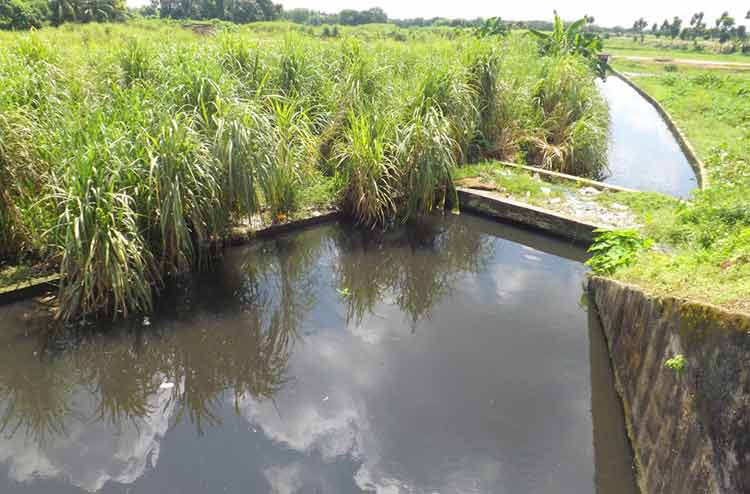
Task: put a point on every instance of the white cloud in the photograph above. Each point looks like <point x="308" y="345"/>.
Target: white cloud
<point x="92" y="453"/>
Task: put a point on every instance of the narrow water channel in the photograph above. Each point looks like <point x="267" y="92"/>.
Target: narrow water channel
<point x="643" y="154"/>
<point x="454" y="357"/>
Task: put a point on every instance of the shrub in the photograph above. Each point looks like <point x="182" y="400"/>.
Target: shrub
<point x="18" y="15"/>
<point x="615" y="249"/>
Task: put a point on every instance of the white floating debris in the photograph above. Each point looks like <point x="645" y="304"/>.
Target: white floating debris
<point x="166" y="385"/>
<point x="146" y="321"/>
<point x="529" y="257"/>
<point x="325" y="398"/>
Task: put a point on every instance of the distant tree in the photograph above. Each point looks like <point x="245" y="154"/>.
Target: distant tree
<point x="240" y="11"/>
<point x="589" y="19"/>
<point x="676" y="27"/>
<point x="87" y="10"/>
<point x="639" y="26"/>
<point x="725" y="26"/>
<point x="20" y="14"/>
<point x="298" y="16"/>
<point x="351" y="17"/>
<point x="665" y="28"/>
<point x="494" y="26"/>
<point x="697" y="26"/>
<point x="655" y="29"/>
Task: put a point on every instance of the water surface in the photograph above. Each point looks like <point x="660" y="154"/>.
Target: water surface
<point x="452" y="357"/>
<point x="643" y="154"/>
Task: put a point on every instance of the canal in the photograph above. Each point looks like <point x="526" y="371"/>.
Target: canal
<point x="643" y="154"/>
<point x="457" y="355"/>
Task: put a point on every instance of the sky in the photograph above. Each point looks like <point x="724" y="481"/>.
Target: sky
<point x="606" y="13"/>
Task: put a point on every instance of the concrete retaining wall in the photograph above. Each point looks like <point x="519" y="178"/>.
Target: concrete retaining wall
<point x="690" y="430"/>
<point x="236" y="236"/>
<point x="487" y="204"/>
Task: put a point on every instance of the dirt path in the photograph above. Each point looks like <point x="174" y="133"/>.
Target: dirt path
<point x="706" y="64"/>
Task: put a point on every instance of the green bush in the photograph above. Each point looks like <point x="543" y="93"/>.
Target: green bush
<point x="615" y="249"/>
<point x="19" y="15"/>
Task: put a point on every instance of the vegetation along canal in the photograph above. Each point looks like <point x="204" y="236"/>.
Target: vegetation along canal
<point x="643" y="153"/>
<point x="451" y="356"/>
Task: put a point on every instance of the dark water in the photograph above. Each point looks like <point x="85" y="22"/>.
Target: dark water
<point x="455" y="357"/>
<point x="643" y="154"/>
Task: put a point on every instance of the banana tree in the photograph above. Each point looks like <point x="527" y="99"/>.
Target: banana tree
<point x="573" y="39"/>
<point x="494" y="26"/>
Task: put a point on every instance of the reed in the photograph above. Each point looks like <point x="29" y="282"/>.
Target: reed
<point x="127" y="149"/>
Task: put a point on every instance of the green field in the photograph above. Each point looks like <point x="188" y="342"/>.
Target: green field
<point x="705" y="243"/>
<point x="676" y="49"/>
<point x="711" y="106"/>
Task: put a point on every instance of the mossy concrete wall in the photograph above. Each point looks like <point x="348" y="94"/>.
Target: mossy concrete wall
<point x="490" y="204"/>
<point x="690" y="430"/>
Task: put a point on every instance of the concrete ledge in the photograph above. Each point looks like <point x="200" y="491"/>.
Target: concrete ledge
<point x="698" y="166"/>
<point x="571" y="178"/>
<point x="489" y="204"/>
<point x="26" y="289"/>
<point x="243" y="234"/>
<point x="689" y="429"/>
<point x="236" y="236"/>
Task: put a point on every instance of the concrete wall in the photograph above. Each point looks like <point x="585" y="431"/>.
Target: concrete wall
<point x="490" y="204"/>
<point x="690" y="431"/>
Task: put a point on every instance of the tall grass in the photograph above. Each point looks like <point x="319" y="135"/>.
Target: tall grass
<point x="126" y="150"/>
<point x="181" y="196"/>
<point x="11" y="226"/>
<point x="367" y="172"/>
<point x="573" y="119"/>
<point x="107" y="266"/>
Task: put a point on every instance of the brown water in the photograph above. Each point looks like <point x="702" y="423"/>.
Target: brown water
<point x="453" y="357"/>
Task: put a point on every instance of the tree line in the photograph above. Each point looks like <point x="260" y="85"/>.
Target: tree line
<point x="725" y="28"/>
<point x="26" y="14"/>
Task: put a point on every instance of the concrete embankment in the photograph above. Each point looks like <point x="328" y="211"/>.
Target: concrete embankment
<point x="689" y="428"/>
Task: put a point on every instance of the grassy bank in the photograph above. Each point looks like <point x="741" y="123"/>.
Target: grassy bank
<point x="703" y="245"/>
<point x="125" y="148"/>
<point x="665" y="47"/>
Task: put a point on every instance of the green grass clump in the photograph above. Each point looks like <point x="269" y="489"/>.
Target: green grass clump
<point x="573" y="118"/>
